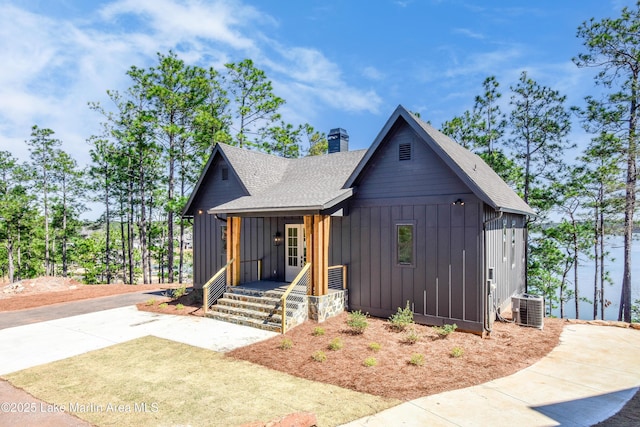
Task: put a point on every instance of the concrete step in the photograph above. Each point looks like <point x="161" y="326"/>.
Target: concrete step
<point x="264" y="306"/>
<point x="253" y="299"/>
<point x="241" y="320"/>
<point x="241" y="311"/>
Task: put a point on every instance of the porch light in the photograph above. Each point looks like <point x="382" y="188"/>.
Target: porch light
<point x="277" y="239"/>
<point x="458" y="202"/>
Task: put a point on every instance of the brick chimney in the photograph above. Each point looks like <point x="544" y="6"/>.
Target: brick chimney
<point x="338" y="140"/>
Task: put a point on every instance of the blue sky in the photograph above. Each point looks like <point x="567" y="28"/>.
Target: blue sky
<point x="337" y="63"/>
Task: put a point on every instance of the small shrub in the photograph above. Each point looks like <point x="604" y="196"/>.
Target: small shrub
<point x="178" y="292"/>
<point x="370" y="361"/>
<point x="285" y="344"/>
<point x="179" y="306"/>
<point x="417" y="359"/>
<point x="163" y="305"/>
<point x="411" y="337"/>
<point x="336" y="344"/>
<point x="357" y="322"/>
<point x="150" y="302"/>
<point x="319" y="356"/>
<point x="400" y="320"/>
<point x="457" y="352"/>
<point x="318" y="331"/>
<point x="374" y="346"/>
<point x="445" y="330"/>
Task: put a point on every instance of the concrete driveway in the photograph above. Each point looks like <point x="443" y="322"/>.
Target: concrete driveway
<point x="586" y="379"/>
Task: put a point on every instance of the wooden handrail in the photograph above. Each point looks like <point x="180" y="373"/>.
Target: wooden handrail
<point x="283" y="299"/>
<point x="205" y="288"/>
<point x="344" y="273"/>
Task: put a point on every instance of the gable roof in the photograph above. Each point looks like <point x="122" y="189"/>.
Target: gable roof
<point x="483" y="181"/>
<point x="317" y="183"/>
<point x="277" y="184"/>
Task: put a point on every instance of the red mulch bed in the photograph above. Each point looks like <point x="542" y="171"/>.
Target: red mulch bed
<point x="53" y="290"/>
<point x="509" y="349"/>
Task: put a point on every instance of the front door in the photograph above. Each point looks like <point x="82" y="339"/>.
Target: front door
<point x="295" y="251"/>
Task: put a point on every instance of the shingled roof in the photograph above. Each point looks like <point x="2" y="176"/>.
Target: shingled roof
<point x="483" y="181"/>
<point x="276" y="184"/>
<point x="318" y="183"/>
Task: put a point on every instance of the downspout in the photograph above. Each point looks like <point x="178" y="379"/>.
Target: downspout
<point x="219" y="219"/>
<point x="487" y="292"/>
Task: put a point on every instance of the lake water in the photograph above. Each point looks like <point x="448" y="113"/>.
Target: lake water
<point x="615" y="246"/>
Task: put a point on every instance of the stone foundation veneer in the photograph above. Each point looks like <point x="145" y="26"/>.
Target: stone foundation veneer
<point x="323" y="307"/>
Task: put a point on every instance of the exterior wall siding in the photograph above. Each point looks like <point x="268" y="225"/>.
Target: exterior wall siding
<point x="423" y="175"/>
<point x="506" y="240"/>
<point x="444" y="285"/>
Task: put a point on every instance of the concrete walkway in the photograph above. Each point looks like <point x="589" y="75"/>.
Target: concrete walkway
<point x="586" y="379"/>
<point x="12" y="319"/>
<point x="34" y="344"/>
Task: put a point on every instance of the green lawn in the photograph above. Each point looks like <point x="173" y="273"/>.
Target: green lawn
<point x="152" y="381"/>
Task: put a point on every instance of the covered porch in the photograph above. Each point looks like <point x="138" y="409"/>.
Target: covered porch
<point x="311" y="289"/>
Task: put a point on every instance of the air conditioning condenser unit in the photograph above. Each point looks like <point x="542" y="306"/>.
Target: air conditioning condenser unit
<point x="528" y="310"/>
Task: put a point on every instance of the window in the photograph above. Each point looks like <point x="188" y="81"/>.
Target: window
<point x="225" y="174"/>
<point x="404" y="152"/>
<point x="405" y="245"/>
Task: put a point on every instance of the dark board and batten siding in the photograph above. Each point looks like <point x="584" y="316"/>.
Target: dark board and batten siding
<point x="445" y="282"/>
<point x="256" y="243"/>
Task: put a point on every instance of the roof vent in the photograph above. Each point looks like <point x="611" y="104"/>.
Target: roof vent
<point x="338" y="140"/>
<point x="404" y="152"/>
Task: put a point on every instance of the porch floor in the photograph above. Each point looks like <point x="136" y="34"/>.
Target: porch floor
<point x="264" y="286"/>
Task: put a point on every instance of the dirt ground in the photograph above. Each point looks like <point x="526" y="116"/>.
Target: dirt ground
<point x="33" y="293"/>
<point x="509" y="348"/>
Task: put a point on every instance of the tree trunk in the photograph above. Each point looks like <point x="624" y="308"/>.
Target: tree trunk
<point x="107" y="251"/>
<point x="124" y="249"/>
<point x="12" y="269"/>
<point x="596" y="258"/>
<point x="602" y="271"/>
<point x="170" y="248"/>
<point x="624" y="313"/>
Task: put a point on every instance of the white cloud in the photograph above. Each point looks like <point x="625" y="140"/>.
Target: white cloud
<point x="53" y="67"/>
<point x="469" y="33"/>
<point x="372" y="73"/>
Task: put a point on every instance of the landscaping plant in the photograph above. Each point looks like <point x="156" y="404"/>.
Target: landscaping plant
<point x="357" y="322"/>
<point x="400" y="320"/>
<point x="444" y="330"/>
<point x="336" y="344"/>
<point x="319" y="356"/>
<point x="370" y="361"/>
<point x="417" y="359"/>
<point x="285" y="344"/>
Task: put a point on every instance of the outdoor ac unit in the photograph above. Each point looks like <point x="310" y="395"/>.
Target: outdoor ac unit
<point x="528" y="310"/>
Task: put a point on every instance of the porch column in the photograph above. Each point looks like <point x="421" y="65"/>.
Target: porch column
<point x="317" y="228"/>
<point x="233" y="249"/>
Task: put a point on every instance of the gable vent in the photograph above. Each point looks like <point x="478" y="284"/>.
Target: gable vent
<point x="404" y="152"/>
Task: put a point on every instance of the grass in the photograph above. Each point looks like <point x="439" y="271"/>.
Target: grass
<point x="204" y="388"/>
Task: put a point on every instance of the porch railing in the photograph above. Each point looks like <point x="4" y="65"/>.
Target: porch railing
<point x="215" y="287"/>
<point x="258" y="265"/>
<point x="337" y="277"/>
<point x="296" y="292"/>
